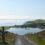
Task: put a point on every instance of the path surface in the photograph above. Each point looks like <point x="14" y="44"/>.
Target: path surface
<point x="21" y="40"/>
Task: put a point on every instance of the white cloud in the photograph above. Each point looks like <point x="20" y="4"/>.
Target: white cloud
<point x="11" y="17"/>
<point x="6" y="20"/>
<point x="14" y="17"/>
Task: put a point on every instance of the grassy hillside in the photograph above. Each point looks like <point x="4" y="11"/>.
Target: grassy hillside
<point x="36" y="23"/>
<point x="39" y="38"/>
<point x="9" y="37"/>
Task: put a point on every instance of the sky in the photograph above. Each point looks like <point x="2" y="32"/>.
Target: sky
<point x="22" y="9"/>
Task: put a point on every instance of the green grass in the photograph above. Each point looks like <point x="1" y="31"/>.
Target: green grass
<point x="9" y="38"/>
<point x="39" y="38"/>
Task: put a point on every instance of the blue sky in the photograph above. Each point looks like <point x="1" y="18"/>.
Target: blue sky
<point x="22" y="9"/>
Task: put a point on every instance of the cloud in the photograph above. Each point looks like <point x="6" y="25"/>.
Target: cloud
<point x="6" y="20"/>
<point x="14" y="17"/>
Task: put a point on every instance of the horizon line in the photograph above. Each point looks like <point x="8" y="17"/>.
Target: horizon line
<point x="19" y="19"/>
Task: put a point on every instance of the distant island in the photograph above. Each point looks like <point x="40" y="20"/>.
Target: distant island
<point x="39" y="23"/>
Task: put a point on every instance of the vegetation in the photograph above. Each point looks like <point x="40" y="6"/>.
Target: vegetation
<point x="39" y="38"/>
<point x="33" y="24"/>
<point x="36" y="23"/>
<point x="8" y="37"/>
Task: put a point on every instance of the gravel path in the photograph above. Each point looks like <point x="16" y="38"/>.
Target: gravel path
<point x="21" y="40"/>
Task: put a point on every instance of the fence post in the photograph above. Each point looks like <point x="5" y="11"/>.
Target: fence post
<point x="3" y="36"/>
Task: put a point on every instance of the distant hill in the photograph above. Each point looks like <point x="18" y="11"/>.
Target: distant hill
<point x="39" y="21"/>
<point x="36" y="23"/>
